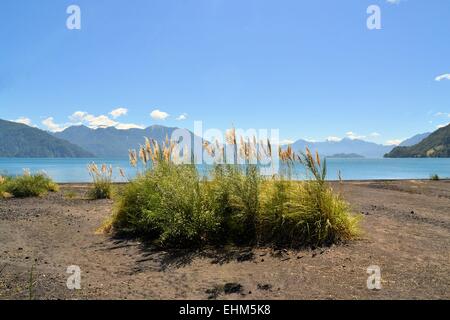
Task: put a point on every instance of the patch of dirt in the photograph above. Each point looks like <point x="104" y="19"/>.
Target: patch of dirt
<point x="406" y="232"/>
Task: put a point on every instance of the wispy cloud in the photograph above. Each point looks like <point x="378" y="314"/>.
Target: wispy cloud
<point x="23" y="120"/>
<point x="354" y="136"/>
<point x="394" y="1"/>
<point x="333" y="139"/>
<point x="182" y="117"/>
<point x="159" y="115"/>
<point x="92" y="121"/>
<point x="445" y="76"/>
<point x="442" y="114"/>
<point x="50" y="124"/>
<point x="394" y="142"/>
<point x="101" y="121"/>
<point x="286" y="142"/>
<point x="118" y="112"/>
<point x="375" y="135"/>
<point x="442" y="125"/>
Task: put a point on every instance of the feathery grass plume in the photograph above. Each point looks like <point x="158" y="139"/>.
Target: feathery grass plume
<point x="143" y="155"/>
<point x="133" y="158"/>
<point x="269" y="148"/>
<point x="156" y="152"/>
<point x="166" y="154"/>
<point x="315" y="167"/>
<point x="148" y="146"/>
<point x="102" y="181"/>
<point x="231" y="136"/>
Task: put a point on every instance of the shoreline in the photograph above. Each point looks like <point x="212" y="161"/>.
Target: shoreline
<point x="444" y="180"/>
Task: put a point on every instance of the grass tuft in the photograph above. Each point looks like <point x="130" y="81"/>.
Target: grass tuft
<point x="435" y="177"/>
<point x="27" y="185"/>
<point x="102" y="179"/>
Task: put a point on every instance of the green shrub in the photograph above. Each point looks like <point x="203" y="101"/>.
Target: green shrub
<point x="175" y="207"/>
<point x="102" y="182"/>
<point x="169" y="204"/>
<point x="435" y="177"/>
<point x="27" y="185"/>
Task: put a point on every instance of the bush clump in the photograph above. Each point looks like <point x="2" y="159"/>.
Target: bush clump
<point x="102" y="182"/>
<point x="27" y="185"/>
<point x="435" y="177"/>
<point x="175" y="206"/>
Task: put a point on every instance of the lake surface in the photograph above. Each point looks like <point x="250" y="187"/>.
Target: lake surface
<point x="74" y="170"/>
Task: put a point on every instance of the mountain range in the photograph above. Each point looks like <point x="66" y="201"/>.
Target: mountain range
<point x="114" y="143"/>
<point x="19" y="140"/>
<point x="435" y="145"/>
<point x="414" y="140"/>
<point x="344" y="147"/>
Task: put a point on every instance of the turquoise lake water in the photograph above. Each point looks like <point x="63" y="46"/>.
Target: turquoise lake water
<point x="74" y="170"/>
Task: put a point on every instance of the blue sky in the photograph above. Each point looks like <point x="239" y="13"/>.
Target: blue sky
<point x="309" y="68"/>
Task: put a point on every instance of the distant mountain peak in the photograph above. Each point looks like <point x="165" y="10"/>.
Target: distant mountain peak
<point x="414" y="140"/>
<point x="113" y="142"/>
<point x="20" y="140"/>
<point x="435" y="145"/>
<point x="344" y="146"/>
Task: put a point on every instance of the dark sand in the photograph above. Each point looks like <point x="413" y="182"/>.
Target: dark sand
<point x="406" y="229"/>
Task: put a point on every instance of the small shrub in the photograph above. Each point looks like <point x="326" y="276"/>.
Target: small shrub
<point x="435" y="177"/>
<point x="102" y="179"/>
<point x="168" y="204"/>
<point x="27" y="185"/>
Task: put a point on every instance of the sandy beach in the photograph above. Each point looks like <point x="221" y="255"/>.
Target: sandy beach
<point x="406" y="232"/>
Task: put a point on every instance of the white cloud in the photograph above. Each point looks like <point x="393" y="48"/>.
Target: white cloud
<point x="101" y="121"/>
<point x="333" y="139"/>
<point x="159" y="115"/>
<point x="286" y="141"/>
<point x="442" y="114"/>
<point x="354" y="136"/>
<point x="394" y="142"/>
<point x="375" y="134"/>
<point x="394" y="1"/>
<point x="445" y="76"/>
<point x="118" y="112"/>
<point x="23" y="120"/>
<point x="182" y="117"/>
<point x="126" y="126"/>
<point x="78" y="116"/>
<point x="52" y="126"/>
<point x="442" y="125"/>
